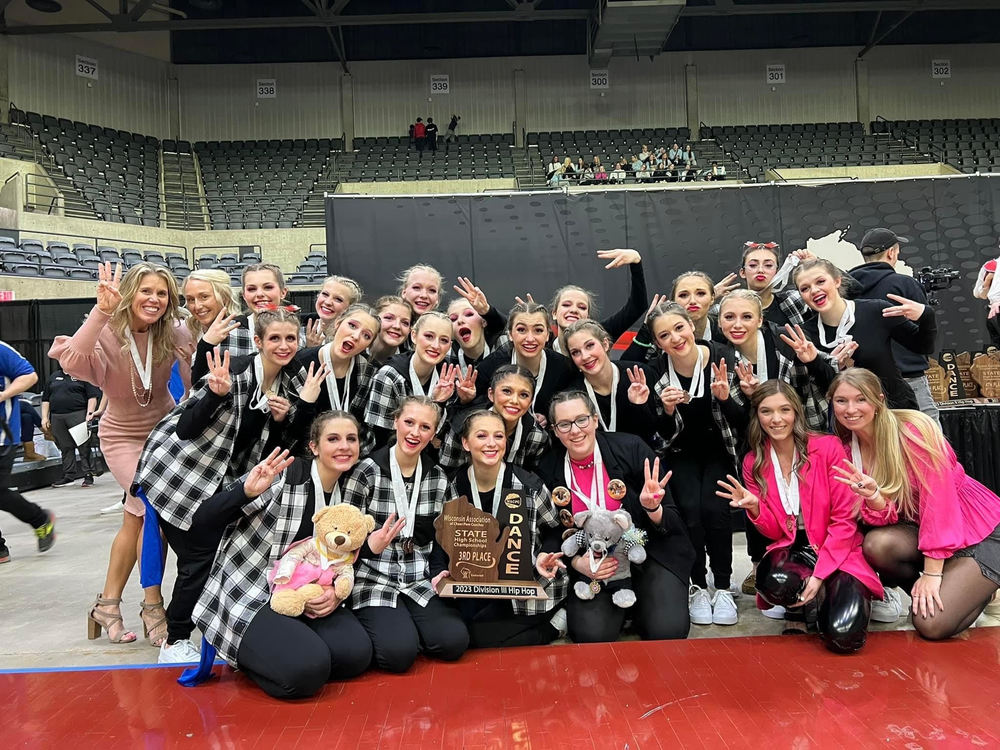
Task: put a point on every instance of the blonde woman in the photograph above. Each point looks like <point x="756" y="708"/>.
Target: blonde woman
<point x="127" y="347"/>
<point x="215" y="319"/>
<point x="336" y="295"/>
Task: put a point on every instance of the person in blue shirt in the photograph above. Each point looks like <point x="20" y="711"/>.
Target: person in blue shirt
<point x="16" y="376"/>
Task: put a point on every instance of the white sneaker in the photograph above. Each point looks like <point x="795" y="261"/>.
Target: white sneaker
<point x="724" y="609"/>
<point x="888" y="609"/>
<point x="774" y="613"/>
<point x="182" y="652"/>
<point x="118" y="507"/>
<point x="558" y="621"/>
<point x="699" y="606"/>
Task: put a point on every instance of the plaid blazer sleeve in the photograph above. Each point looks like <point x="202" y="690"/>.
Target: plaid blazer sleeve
<point x="387" y="390"/>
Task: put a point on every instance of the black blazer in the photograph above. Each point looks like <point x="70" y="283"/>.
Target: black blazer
<point x="668" y="544"/>
<point x="634" y="419"/>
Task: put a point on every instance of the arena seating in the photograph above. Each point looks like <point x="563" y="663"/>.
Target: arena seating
<point x="969" y="145"/>
<point x="396" y="159"/>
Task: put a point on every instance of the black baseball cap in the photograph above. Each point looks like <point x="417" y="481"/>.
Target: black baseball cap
<point x="879" y="240"/>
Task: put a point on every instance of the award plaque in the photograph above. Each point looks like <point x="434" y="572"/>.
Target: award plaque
<point x="969" y="385"/>
<point x="986" y="372"/>
<point x="937" y="380"/>
<point x="485" y="562"/>
<point x="953" y="381"/>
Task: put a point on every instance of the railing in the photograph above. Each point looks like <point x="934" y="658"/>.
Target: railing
<point x="96" y="241"/>
<point x="938" y="152"/>
<point x="41" y="195"/>
<point x="240" y="251"/>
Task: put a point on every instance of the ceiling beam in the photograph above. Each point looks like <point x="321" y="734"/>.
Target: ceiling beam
<point x="338" y="6"/>
<point x="140" y="7"/>
<point x="872" y="44"/>
<point x="101" y="9"/>
<point x="723" y="8"/>
<point x="386" y="19"/>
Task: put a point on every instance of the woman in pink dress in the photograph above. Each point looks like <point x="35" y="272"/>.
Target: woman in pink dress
<point x="936" y="529"/>
<point x="791" y="496"/>
<point x="127" y="347"/>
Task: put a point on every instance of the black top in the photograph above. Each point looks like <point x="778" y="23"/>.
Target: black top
<point x="623" y="457"/>
<point x="66" y="394"/>
<point x="493" y="327"/>
<point x="635" y="419"/>
<point x="873" y="333"/>
<point x="876" y="281"/>
<point x="559" y="372"/>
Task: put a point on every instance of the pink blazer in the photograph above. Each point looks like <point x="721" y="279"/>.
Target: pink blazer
<point x="829" y="510"/>
<point x="954" y="511"/>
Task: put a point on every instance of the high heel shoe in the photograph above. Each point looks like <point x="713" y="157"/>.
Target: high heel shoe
<point x="98" y="620"/>
<point x="154" y="623"/>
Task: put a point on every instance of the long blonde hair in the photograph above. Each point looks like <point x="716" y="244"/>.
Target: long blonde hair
<point x="899" y="450"/>
<point x="161" y="332"/>
<point x="221" y="287"/>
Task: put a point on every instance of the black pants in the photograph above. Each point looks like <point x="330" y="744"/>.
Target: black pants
<point x="993" y="329"/>
<point x="660" y="611"/>
<point x="293" y="657"/>
<point x="706" y="515"/>
<point x="195" y="550"/>
<point x="493" y="624"/>
<point x="68" y="447"/>
<point x="13" y="501"/>
<point x="756" y="542"/>
<point x="843" y="602"/>
<point x="399" y="633"/>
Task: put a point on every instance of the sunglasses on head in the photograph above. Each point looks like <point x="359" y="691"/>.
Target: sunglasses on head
<point x="761" y="245"/>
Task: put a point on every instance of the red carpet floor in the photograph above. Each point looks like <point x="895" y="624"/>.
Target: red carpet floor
<point x="787" y="692"/>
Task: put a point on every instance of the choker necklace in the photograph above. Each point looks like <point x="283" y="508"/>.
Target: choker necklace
<point x="583" y="466"/>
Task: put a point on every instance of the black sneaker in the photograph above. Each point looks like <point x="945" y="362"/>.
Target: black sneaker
<point x="88" y="481"/>
<point x="64" y="482"/>
<point x="4" y="554"/>
<point x="46" y="533"/>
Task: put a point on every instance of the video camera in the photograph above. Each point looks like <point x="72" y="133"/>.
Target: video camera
<point x="933" y="280"/>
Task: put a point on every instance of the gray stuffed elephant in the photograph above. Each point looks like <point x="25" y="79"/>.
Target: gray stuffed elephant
<point x="604" y="533"/>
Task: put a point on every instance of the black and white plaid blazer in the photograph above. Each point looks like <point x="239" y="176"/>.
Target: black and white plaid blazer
<point x="379" y="580"/>
<point x="237" y="587"/>
<point x="810" y="380"/>
<point x="542" y="518"/>
<point x="534" y="442"/>
<point x="389" y="386"/>
<point x="361" y="386"/>
<point x="177" y="474"/>
<point x="239" y="343"/>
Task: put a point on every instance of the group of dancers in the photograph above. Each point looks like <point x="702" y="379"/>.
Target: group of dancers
<point x="781" y="404"/>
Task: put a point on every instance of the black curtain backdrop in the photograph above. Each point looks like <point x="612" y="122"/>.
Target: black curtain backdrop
<point x="536" y="242"/>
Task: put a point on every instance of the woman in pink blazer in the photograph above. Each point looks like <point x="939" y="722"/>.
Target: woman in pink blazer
<point x="791" y="496"/>
<point x="937" y="529"/>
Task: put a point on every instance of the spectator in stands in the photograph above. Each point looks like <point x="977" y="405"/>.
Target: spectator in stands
<point x="68" y="403"/>
<point x="16" y="376"/>
<point x="552" y="167"/>
<point x="645" y="173"/>
<point x="556" y="176"/>
<point x="419" y="135"/>
<point x="645" y="155"/>
<point x="568" y="170"/>
<point x="634" y="163"/>
<point x="988" y="288"/>
<point x="675" y="154"/>
<point x="718" y="172"/>
<point x="600" y="173"/>
<point x="449" y="135"/>
<point x="690" y="163"/>
<point x="619" y="174"/>
<point x="431" y="133"/>
<point x="878" y="279"/>
<point x="587" y="175"/>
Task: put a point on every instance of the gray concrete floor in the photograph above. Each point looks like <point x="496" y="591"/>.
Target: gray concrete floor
<point x="44" y="599"/>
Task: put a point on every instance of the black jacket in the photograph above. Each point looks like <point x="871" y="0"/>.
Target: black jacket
<point x="876" y="280"/>
<point x="623" y="455"/>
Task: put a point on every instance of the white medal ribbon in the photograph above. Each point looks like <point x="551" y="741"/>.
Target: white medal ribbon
<point x="332" y="389"/>
<point x="697" y="377"/>
<point x="556" y="347"/>
<point x="845" y="325"/>
<point x="707" y="336"/>
<point x="539" y="379"/>
<point x="250" y="327"/>
<point x="612" y="424"/>
<point x="145" y="370"/>
<point x="405" y="508"/>
<point x="788" y="491"/>
<point x="418" y="389"/>
<point x="760" y="367"/>
<point x="258" y="400"/>
<point x="319" y="496"/>
<point x="856" y="454"/>
<point x="784" y="273"/>
<point x="515" y="442"/>
<point x="461" y="355"/>
<point x="596" y="499"/>
<point x="497" y="491"/>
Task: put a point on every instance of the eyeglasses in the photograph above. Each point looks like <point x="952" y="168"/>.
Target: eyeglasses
<point x="761" y="245"/>
<point x="581" y="422"/>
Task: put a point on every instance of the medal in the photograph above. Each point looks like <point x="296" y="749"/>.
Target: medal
<point x="616" y="489"/>
<point x="790" y="523"/>
<point x="408" y="545"/>
<point x="595" y="586"/>
<point x="561" y="497"/>
<point x="686" y="398"/>
<point x="566" y="518"/>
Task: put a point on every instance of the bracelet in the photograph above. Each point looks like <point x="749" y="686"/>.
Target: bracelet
<point x="932" y="575"/>
<point x="652" y="510"/>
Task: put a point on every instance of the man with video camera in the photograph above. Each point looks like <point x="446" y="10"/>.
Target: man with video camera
<point x="876" y="278"/>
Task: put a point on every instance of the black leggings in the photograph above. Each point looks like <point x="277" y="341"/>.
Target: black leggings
<point x="660" y="611"/>
<point x="993" y="329"/>
<point x="13" y="501"/>
<point x="293" y="657"/>
<point x="844" y="603"/>
<point x="195" y="550"/>
<point x="493" y="624"/>
<point x="756" y="542"/>
<point x="706" y="515"/>
<point x="399" y="633"/>
<point x="893" y="552"/>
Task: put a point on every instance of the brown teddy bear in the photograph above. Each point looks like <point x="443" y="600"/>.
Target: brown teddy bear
<point x="324" y="559"/>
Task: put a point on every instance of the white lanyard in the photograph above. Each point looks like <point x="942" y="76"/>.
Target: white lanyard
<point x="319" y="496"/>
<point x="539" y="379"/>
<point x="461" y="355"/>
<point x="497" y="491"/>
<point x="332" y="389"/>
<point x="418" y="389"/>
<point x="404" y="509"/>
<point x="845" y="325"/>
<point x="856" y="453"/>
<point x="516" y="442"/>
<point x="258" y="399"/>
<point x="707" y="336"/>
<point x="784" y="273"/>
<point x="556" y="347"/>
<point x="788" y="491"/>
<point x="697" y="377"/>
<point x="250" y="327"/>
<point x="596" y="499"/>
<point x="612" y="424"/>
<point x="761" y="366"/>
<point x="145" y="370"/>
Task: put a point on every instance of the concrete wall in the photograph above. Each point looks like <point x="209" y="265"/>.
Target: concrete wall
<point x="425" y="187"/>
